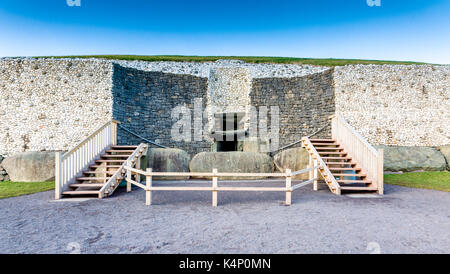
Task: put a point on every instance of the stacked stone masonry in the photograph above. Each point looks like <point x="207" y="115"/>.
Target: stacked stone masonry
<point x="143" y="102"/>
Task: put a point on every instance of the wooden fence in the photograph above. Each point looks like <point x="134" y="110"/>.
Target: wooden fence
<point x="288" y="188"/>
<point x="70" y="165"/>
<point x="370" y="159"/>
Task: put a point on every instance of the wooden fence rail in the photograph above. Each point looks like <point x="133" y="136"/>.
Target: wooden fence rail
<point x="215" y="188"/>
<point x="70" y="165"/>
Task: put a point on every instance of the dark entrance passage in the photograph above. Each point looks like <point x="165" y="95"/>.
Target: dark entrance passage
<point x="228" y="128"/>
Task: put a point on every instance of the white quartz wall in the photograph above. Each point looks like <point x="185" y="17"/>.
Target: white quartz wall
<point x="52" y="104"/>
<point x="406" y="105"/>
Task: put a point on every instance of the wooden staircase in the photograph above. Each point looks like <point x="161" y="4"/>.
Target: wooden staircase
<point x="97" y="175"/>
<point x="340" y="171"/>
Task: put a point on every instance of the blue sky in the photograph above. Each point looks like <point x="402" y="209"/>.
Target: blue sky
<point x="416" y="30"/>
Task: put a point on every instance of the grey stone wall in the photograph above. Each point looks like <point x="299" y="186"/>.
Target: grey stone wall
<point x="305" y="103"/>
<point x="143" y="101"/>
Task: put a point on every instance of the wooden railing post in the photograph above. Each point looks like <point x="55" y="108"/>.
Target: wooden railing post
<point x="129" y="177"/>
<point x="316" y="175"/>
<point x="138" y="165"/>
<point x="214" y="185"/>
<point x="114" y="132"/>
<point x="58" y="174"/>
<point x="148" y="184"/>
<point x="380" y="172"/>
<point x="288" y="187"/>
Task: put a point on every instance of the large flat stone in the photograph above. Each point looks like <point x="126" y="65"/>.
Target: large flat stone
<point x="293" y="159"/>
<point x="30" y="166"/>
<point x="239" y="162"/>
<point x="400" y="158"/>
<point x="168" y="160"/>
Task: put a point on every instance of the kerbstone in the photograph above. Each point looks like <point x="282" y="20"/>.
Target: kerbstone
<point x="168" y="160"/>
<point x="412" y="159"/>
<point x="30" y="166"/>
<point x="293" y="159"/>
<point x="445" y="150"/>
<point x="239" y="162"/>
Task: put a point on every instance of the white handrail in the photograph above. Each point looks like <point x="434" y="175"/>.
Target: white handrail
<point x="357" y="147"/>
<point x="69" y="166"/>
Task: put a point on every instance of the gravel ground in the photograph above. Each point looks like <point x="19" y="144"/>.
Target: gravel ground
<point x="403" y="221"/>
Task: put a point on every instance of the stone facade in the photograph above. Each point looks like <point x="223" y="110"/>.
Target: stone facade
<point x="52" y="104"/>
<point x="143" y="101"/>
<point x="396" y="105"/>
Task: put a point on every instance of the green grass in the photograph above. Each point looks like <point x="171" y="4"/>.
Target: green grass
<point x="428" y="180"/>
<point x="14" y="189"/>
<point x="250" y="59"/>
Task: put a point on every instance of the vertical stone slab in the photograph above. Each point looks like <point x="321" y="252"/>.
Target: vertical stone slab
<point x="228" y="91"/>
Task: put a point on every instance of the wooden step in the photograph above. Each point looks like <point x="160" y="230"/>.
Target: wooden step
<point x="322" y="140"/>
<point x="337" y="158"/>
<point x="349" y="175"/>
<point x="110" y="161"/>
<point x="345" y="168"/>
<point x="124" y="147"/>
<point x="325" y="144"/>
<point x="99" y="172"/>
<point x="340" y="163"/>
<point x="120" y="151"/>
<point x="357" y="188"/>
<point x="332" y="153"/>
<point x="328" y="148"/>
<point x="92" y="178"/>
<point x="355" y="181"/>
<point x="115" y="156"/>
<point x="102" y="166"/>
<point x="86" y="185"/>
<point x="81" y="192"/>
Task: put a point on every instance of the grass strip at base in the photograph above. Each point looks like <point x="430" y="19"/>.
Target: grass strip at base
<point x="14" y="189"/>
<point x="439" y="180"/>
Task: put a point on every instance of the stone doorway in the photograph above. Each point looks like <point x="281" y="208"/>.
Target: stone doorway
<point x="228" y="131"/>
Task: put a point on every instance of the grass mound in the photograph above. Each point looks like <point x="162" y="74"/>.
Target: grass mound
<point x="330" y="62"/>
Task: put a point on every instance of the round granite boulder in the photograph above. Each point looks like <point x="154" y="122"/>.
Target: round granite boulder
<point x="30" y="166"/>
<point x="445" y="150"/>
<point x="168" y="160"/>
<point x="407" y="159"/>
<point x="293" y="159"/>
<point x="239" y="162"/>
